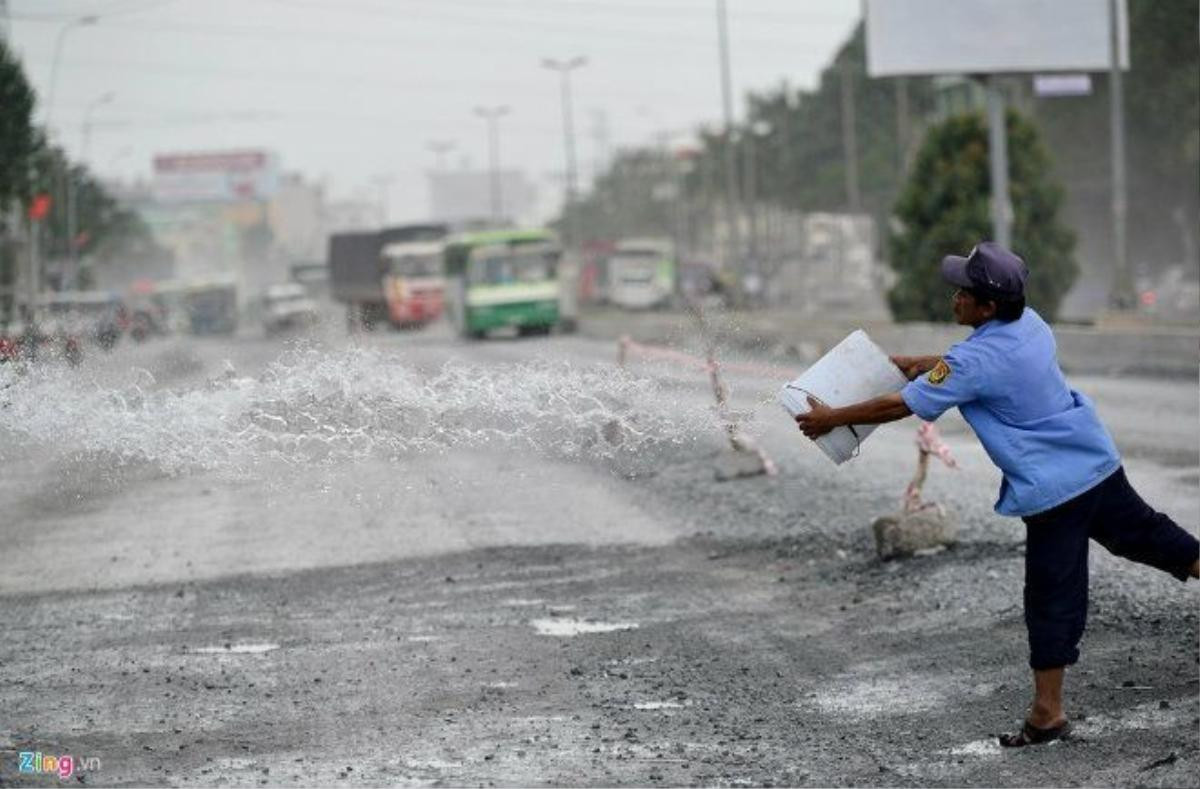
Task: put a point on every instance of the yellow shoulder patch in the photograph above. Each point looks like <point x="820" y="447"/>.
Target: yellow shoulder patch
<point x="939" y="373"/>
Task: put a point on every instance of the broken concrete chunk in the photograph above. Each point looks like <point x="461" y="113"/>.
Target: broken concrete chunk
<point x="904" y="534"/>
<point x="734" y="464"/>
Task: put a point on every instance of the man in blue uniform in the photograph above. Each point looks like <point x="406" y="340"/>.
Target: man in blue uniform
<point x="1062" y="472"/>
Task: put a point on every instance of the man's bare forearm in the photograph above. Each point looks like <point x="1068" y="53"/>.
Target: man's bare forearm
<point x="887" y="408"/>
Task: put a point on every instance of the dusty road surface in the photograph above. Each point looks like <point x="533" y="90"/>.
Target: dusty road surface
<point x="333" y="562"/>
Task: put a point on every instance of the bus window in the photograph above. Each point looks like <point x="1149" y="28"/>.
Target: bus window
<point x="534" y="266"/>
<point x="507" y="269"/>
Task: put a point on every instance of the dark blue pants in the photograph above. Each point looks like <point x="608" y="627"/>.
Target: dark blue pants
<point x="1056" y="560"/>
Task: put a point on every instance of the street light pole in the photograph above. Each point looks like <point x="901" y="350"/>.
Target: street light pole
<point x="731" y="190"/>
<point x="35" y="264"/>
<point x="493" y="115"/>
<point x="440" y="148"/>
<point x="82" y="21"/>
<point x="72" y="193"/>
<point x="564" y="69"/>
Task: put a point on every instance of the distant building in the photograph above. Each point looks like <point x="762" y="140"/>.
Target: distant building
<point x="297" y="218"/>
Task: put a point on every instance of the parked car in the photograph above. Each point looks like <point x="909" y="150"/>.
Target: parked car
<point x="288" y="306"/>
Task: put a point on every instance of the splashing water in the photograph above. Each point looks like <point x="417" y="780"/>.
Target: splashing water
<point x="311" y="406"/>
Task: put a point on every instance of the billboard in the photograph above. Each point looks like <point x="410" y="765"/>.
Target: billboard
<point x="215" y="177"/>
<point x="991" y="36"/>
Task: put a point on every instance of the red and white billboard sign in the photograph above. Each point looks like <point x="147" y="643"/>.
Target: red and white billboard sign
<point x="220" y="177"/>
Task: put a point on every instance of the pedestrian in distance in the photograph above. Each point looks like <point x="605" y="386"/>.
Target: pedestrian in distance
<point x="1062" y="474"/>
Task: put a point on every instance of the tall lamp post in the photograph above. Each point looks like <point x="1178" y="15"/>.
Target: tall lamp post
<point x="72" y="188"/>
<point x="86" y="136"/>
<point x="34" y="278"/>
<point x="564" y="69"/>
<point x="731" y="188"/>
<point x="493" y="115"/>
<point x="83" y="21"/>
<point x="440" y="148"/>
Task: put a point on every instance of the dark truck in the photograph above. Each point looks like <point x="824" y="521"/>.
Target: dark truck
<point x="361" y="277"/>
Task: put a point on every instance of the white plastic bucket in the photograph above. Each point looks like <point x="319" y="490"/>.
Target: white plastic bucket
<point x="854" y="370"/>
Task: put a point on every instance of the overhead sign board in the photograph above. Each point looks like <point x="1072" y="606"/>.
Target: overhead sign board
<point x="913" y="37"/>
<point x="216" y="177"/>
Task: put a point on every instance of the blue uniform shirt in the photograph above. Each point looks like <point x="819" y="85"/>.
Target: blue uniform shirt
<point x="1044" y="436"/>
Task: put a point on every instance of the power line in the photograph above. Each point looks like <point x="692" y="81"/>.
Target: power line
<point x="106" y="12"/>
<point x="628" y="36"/>
<point x="160" y="69"/>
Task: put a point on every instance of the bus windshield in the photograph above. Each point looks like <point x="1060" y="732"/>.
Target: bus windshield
<point x="513" y="266"/>
<point x="415" y="265"/>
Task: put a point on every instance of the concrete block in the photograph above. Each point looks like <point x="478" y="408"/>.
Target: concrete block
<point x="732" y="464"/>
<point x="903" y="534"/>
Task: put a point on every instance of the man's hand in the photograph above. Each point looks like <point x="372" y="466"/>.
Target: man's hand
<point x="912" y="366"/>
<point x="819" y="421"/>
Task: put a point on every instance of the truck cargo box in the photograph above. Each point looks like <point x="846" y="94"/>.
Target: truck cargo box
<point x="355" y="268"/>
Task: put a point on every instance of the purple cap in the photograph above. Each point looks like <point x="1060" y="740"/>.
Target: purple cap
<point x="989" y="268"/>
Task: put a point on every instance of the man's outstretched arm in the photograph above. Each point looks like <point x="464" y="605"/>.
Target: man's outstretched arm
<point x="821" y="419"/>
<point x="912" y="366"/>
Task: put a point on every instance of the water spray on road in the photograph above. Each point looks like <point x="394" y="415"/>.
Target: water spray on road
<point x="313" y="407"/>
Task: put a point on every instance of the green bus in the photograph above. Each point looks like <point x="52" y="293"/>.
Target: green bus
<point x="504" y="278"/>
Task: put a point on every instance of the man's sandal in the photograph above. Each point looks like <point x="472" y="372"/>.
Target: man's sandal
<point x="1032" y="735"/>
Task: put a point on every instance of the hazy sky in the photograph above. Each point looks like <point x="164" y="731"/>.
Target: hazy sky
<point x="352" y="90"/>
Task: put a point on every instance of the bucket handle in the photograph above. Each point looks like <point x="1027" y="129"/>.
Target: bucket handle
<point x="853" y="432"/>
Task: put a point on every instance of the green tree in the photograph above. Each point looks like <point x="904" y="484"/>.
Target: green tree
<point x="17" y="137"/>
<point x="799" y="160"/>
<point x="945" y="209"/>
<point x="1162" y="126"/>
<point x="628" y="200"/>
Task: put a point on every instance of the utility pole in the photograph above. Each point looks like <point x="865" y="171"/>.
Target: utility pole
<point x="564" y="69"/>
<point x="493" y="115"/>
<point x="849" y="137"/>
<point x="600" y="139"/>
<point x="734" y="251"/>
<point x="382" y="183"/>
<point x="1121" y="297"/>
